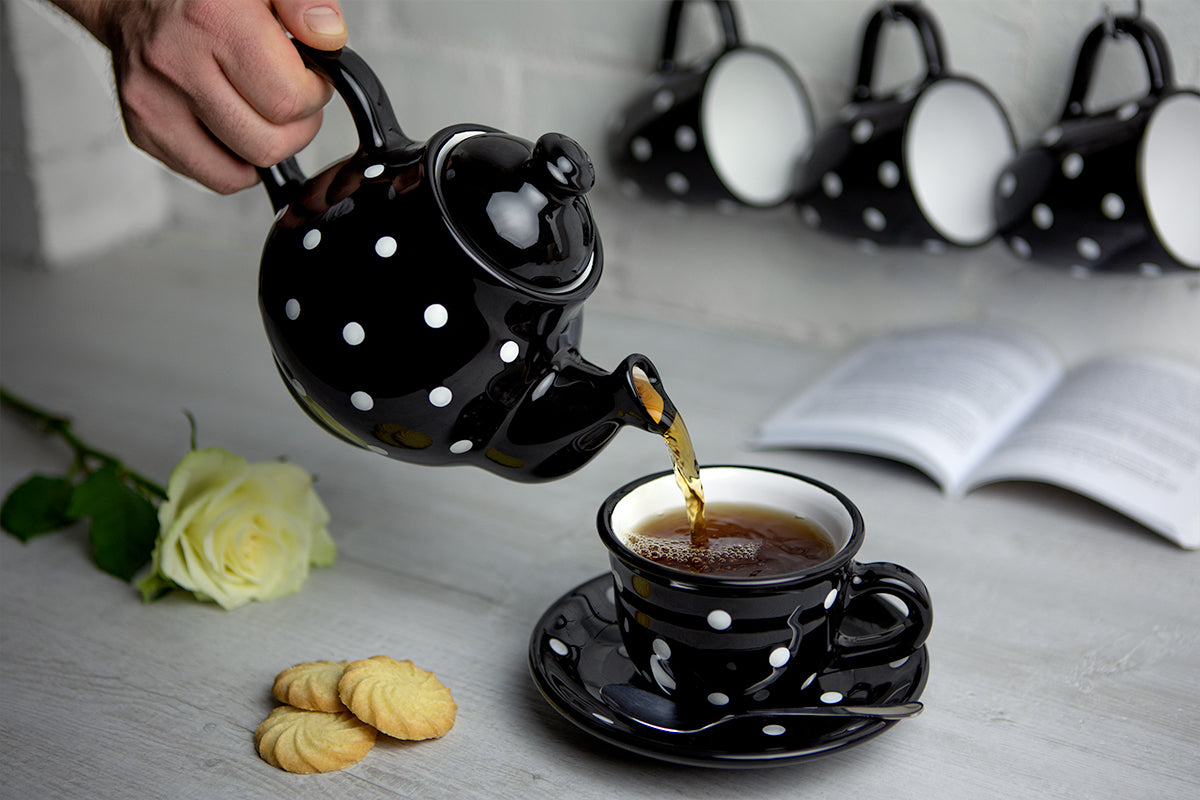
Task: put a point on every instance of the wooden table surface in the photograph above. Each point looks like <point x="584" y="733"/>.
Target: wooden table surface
<point x="1064" y="658"/>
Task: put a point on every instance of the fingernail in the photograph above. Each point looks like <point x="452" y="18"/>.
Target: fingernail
<point x="325" y="21"/>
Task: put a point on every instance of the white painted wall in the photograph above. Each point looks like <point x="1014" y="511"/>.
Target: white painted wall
<point x="530" y="66"/>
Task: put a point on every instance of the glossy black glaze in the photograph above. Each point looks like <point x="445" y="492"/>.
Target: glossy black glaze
<point x="776" y="631"/>
<point x="576" y="650"/>
<point x="1074" y="199"/>
<point x="408" y="318"/>
<point x="856" y="182"/>
<point x="657" y="141"/>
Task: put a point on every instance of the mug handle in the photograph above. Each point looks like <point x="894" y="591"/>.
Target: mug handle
<point x="729" y="30"/>
<point x="1148" y="38"/>
<point x="369" y="107"/>
<point x="897" y="642"/>
<point x="927" y="32"/>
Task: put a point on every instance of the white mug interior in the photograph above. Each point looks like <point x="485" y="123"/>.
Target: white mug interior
<point x="737" y="485"/>
<point x="756" y="122"/>
<point x="956" y="144"/>
<point x="1170" y="175"/>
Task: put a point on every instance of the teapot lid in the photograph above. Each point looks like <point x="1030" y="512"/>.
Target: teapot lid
<point x="520" y="208"/>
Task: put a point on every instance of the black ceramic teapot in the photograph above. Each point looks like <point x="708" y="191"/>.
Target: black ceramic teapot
<point x="423" y="300"/>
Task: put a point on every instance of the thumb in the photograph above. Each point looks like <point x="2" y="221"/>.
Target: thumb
<point x="317" y="23"/>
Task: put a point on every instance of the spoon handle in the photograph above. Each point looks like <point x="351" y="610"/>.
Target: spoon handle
<point x="897" y="711"/>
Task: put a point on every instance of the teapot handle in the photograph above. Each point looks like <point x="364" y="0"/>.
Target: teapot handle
<point x="1148" y="38"/>
<point x="729" y="30"/>
<point x="378" y="130"/>
<point x="927" y="32"/>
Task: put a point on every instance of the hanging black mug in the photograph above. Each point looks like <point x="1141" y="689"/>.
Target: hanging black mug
<point x="723" y="130"/>
<point x="914" y="167"/>
<point x="1116" y="190"/>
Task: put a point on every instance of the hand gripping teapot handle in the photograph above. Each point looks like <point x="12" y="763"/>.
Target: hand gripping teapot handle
<point x="927" y="32"/>
<point x="378" y="131"/>
<point x="729" y="30"/>
<point x="1148" y="38"/>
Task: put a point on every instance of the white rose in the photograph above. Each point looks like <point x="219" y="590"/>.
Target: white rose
<point x="232" y="532"/>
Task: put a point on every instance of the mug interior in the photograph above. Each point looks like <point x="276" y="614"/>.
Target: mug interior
<point x="1170" y="173"/>
<point x="957" y="142"/>
<point x="756" y="122"/>
<point x="776" y="490"/>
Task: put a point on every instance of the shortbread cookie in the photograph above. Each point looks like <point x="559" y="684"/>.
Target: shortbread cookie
<point x="312" y="685"/>
<point x="298" y="740"/>
<point x="397" y="697"/>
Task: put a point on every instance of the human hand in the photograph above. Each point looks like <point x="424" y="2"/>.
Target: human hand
<point x="214" y="88"/>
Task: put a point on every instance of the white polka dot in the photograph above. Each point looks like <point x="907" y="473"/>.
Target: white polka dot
<point x="509" y="352"/>
<point x="603" y="718"/>
<point x="1079" y="271"/>
<point x="685" y="138"/>
<point x="718" y="699"/>
<point x="362" y="401"/>
<point x="663" y="100"/>
<point x="830" y="598"/>
<point x="1127" y="111"/>
<point x="678" y="183"/>
<point x="831" y="184"/>
<point x="1113" y="206"/>
<point x="774" y="730"/>
<point x="385" y="246"/>
<point x="661" y="648"/>
<point x="934" y="246"/>
<point x="1053" y="135"/>
<point x="353" y="333"/>
<point x="810" y="215"/>
<point x="719" y="620"/>
<point x="1020" y="247"/>
<point x="299" y="388"/>
<point x="779" y="656"/>
<point x="889" y="174"/>
<point x="436" y="315"/>
<point x="558" y="646"/>
<point x="866" y="246"/>
<point x="1148" y="268"/>
<point x="441" y="397"/>
<point x="311" y="239"/>
<point x="373" y="171"/>
<point x="661" y="676"/>
<point x="808" y="681"/>
<point x="874" y="219"/>
<point x="1043" y="217"/>
<point x="1007" y="185"/>
<point x="1088" y="248"/>
<point x="292" y="308"/>
<point x="727" y="207"/>
<point x="898" y="664"/>
<point x="640" y="148"/>
<point x="831" y="697"/>
<point x="862" y="130"/>
<point x="1072" y="165"/>
<point x="461" y="446"/>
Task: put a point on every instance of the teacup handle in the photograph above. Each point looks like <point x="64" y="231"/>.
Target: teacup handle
<point x="882" y="577"/>
<point x="369" y="106"/>
<point x="927" y="31"/>
<point x="1148" y="38"/>
<point x="729" y="30"/>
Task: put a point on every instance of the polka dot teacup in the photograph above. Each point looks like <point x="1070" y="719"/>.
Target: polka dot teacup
<point x="731" y="642"/>
<point x="1115" y="190"/>
<point x="913" y="167"/>
<point x="723" y="131"/>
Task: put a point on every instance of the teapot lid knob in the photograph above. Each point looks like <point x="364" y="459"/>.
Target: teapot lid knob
<point x="563" y="167"/>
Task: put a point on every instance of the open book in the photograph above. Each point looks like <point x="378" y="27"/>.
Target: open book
<point x="971" y="404"/>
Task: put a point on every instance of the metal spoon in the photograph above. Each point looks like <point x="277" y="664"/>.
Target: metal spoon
<point x="662" y="714"/>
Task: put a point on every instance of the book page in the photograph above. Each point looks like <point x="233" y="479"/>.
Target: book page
<point x="1122" y="430"/>
<point x="937" y="398"/>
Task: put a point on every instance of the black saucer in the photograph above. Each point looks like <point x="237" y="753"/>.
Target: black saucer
<point x="576" y="649"/>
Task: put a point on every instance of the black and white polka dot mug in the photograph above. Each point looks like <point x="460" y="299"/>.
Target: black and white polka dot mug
<point x="914" y="167"/>
<point x="722" y="131"/>
<point x="423" y="300"/>
<point x="732" y="642"/>
<point x="1117" y="190"/>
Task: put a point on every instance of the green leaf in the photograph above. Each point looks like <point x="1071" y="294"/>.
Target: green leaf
<point x="37" y="506"/>
<point x="124" y="523"/>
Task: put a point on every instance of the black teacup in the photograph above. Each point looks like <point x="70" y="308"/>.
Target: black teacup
<point x="1116" y="190"/>
<point x="914" y="167"/>
<point x="724" y="130"/>
<point x="731" y="641"/>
